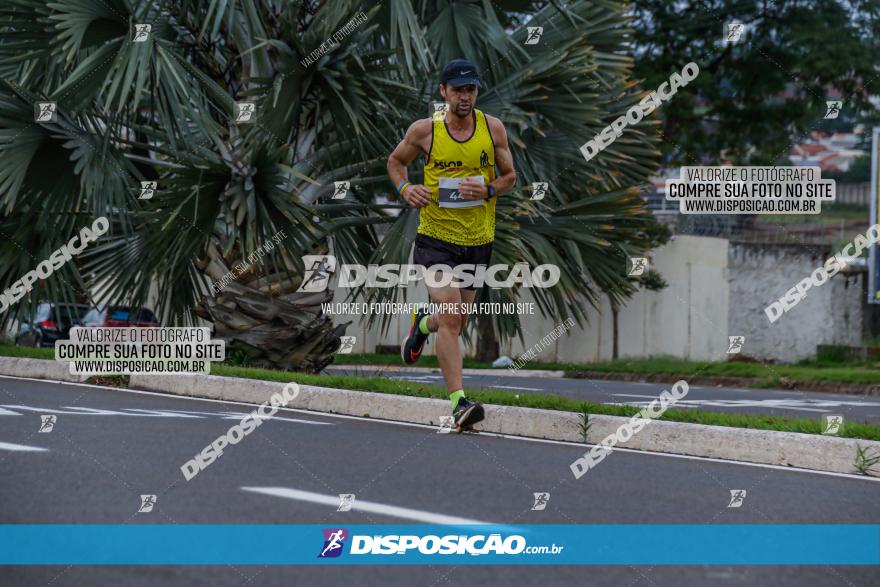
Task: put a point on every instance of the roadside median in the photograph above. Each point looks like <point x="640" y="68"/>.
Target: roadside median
<point x="795" y="449"/>
<point x="540" y="373"/>
<point x="862" y="378"/>
<point x="823" y="453"/>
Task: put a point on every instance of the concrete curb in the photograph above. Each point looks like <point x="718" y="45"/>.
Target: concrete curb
<point x="38" y="369"/>
<point x="739" y="382"/>
<point x="436" y="370"/>
<point x="808" y="451"/>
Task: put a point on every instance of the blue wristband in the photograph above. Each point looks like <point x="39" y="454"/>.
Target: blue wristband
<point x="403" y="183"/>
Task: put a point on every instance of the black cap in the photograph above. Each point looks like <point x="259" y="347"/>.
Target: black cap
<point x="460" y="72"/>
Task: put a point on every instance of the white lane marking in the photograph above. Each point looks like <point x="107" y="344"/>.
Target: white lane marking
<point x="223" y="415"/>
<point x="5" y="412"/>
<point x="641" y="404"/>
<point x="418" y="378"/>
<point x="514" y="387"/>
<point x="696" y="404"/>
<point x="707" y="389"/>
<point x="364" y="506"/>
<point x="59" y="411"/>
<point x="808" y="405"/>
<point x="21" y="447"/>
<point x="165" y="413"/>
<point x="142" y="413"/>
<point x="361" y="419"/>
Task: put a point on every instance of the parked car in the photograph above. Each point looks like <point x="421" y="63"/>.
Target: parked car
<point x="49" y="323"/>
<point x="120" y="316"/>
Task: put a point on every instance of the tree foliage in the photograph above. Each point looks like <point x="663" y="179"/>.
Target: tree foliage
<point x="164" y="110"/>
<point x="754" y="99"/>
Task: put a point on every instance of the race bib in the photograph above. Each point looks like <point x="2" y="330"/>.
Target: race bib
<point x="451" y="198"/>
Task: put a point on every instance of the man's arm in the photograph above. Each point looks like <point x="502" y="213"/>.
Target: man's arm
<point x="417" y="196"/>
<point x="503" y="159"/>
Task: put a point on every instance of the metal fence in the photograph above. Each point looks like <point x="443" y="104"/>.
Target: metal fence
<point x="857" y="194"/>
<point x="752" y="229"/>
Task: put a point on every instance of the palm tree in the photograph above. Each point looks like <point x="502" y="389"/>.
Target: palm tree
<point x="164" y="109"/>
<point x="552" y="97"/>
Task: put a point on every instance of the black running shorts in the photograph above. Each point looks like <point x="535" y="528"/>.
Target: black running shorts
<point x="431" y="251"/>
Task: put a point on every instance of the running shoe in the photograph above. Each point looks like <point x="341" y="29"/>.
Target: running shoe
<point x="467" y="413"/>
<point x="412" y="346"/>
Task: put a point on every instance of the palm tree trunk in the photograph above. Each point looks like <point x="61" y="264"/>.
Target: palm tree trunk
<point x="614" y="313"/>
<point x="487" y="342"/>
<point x="266" y="319"/>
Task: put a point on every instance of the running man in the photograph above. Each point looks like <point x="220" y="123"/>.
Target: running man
<point x="456" y="216"/>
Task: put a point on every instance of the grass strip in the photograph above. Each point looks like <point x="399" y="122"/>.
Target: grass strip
<point x="548" y="402"/>
<point x="765" y="375"/>
<point x="508" y="398"/>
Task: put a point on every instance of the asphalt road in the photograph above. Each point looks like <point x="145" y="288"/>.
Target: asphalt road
<point x="716" y="399"/>
<point x="108" y="447"/>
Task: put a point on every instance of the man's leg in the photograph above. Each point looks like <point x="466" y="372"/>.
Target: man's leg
<point x="448" y="325"/>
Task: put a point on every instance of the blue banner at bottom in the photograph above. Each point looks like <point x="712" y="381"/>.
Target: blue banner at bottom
<point x="165" y="544"/>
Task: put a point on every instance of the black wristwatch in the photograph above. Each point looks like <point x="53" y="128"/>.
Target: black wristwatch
<point x="490" y="192"/>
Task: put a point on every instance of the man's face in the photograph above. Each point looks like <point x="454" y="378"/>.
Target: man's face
<point x="461" y="99"/>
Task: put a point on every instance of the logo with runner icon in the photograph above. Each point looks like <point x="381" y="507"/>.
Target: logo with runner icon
<point x="737" y="497"/>
<point x="735" y="344"/>
<point x="832" y="108"/>
<point x="735" y="32"/>
<point x="45" y="112"/>
<point x="637" y="266"/>
<point x="47" y="423"/>
<point x="318" y="269"/>
<point x="334" y="542"/>
<point x="346" y="344"/>
<point x="147" y="503"/>
<point x="832" y="424"/>
<point x="541" y="500"/>
<point x="535" y="33"/>
<point x="341" y="188"/>
<point x="539" y="190"/>
<point x="346" y="501"/>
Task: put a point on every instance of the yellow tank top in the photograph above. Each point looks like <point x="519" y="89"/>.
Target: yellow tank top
<point x="449" y="158"/>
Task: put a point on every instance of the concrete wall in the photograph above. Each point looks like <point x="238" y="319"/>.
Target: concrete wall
<point x="681" y="320"/>
<point x="829" y="314"/>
